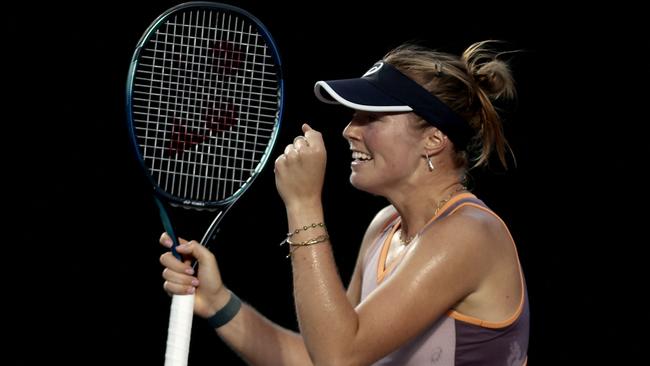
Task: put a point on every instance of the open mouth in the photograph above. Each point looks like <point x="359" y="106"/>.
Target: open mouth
<point x="358" y="156"/>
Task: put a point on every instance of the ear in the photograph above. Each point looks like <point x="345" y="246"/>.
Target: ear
<point x="434" y="141"/>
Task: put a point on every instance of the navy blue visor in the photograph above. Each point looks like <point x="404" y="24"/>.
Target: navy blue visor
<point x="383" y="88"/>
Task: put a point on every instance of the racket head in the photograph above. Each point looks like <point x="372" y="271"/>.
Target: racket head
<point x="204" y="101"/>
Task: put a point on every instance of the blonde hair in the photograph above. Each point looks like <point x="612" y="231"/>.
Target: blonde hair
<point x="469" y="85"/>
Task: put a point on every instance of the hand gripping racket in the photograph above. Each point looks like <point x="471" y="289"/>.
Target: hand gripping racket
<point x="204" y="104"/>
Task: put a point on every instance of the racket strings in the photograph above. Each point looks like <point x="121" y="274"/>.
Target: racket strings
<point x="205" y="104"/>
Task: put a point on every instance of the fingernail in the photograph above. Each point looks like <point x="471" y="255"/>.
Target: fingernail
<point x="195" y="282"/>
<point x="191" y="290"/>
<point x="189" y="271"/>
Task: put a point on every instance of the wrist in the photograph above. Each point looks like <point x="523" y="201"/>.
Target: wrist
<point x="304" y="206"/>
<point x="220" y="300"/>
<point x="226" y="313"/>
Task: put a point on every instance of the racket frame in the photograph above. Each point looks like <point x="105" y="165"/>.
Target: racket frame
<point x="181" y="312"/>
<point x="155" y="25"/>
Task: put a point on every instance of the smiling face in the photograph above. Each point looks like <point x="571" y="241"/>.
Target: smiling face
<point x="387" y="150"/>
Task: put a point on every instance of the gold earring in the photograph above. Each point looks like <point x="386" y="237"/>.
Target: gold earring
<point x="429" y="162"/>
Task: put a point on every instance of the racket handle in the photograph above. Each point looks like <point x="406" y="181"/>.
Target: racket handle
<point x="180" y="330"/>
<point x="169" y="228"/>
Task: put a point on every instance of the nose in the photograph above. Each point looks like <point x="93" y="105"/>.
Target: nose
<point x="351" y="131"/>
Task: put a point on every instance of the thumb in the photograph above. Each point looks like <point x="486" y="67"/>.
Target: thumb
<point x="309" y="132"/>
<point x="196" y="250"/>
<point x="166" y="240"/>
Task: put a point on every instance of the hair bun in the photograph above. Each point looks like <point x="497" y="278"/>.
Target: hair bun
<point x="492" y="75"/>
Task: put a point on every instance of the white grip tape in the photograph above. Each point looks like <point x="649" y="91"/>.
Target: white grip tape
<point x="180" y="330"/>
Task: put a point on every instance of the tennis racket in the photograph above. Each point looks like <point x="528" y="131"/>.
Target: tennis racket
<point x="204" y="105"/>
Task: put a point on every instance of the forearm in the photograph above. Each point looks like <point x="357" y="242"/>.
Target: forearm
<point x="261" y="342"/>
<point x="328" y="322"/>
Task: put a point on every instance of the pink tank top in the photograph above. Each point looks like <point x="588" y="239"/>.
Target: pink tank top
<point x="455" y="339"/>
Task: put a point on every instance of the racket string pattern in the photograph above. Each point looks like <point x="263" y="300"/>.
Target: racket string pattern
<point x="205" y="103"/>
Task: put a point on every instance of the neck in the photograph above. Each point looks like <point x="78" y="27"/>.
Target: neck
<point x="423" y="201"/>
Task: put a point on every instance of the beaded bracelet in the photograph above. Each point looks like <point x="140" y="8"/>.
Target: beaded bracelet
<point x="294" y="246"/>
<point x="305" y="228"/>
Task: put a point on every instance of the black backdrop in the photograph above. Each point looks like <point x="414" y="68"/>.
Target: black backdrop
<point x="86" y="253"/>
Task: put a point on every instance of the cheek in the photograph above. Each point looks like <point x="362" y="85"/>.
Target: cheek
<point x="400" y="159"/>
<point x="371" y="137"/>
<point x="382" y="141"/>
<point x="391" y="146"/>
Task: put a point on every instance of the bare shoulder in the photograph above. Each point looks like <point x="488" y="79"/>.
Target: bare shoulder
<point x="376" y="225"/>
<point x="467" y="226"/>
<point x="381" y="219"/>
<point x="478" y="243"/>
<point x="471" y="241"/>
<point x="482" y="229"/>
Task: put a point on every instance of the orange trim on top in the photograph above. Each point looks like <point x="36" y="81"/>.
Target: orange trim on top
<point x="371" y="250"/>
<point x="382" y="271"/>
<point x="381" y="263"/>
<point x="484" y="323"/>
<point x="392" y="218"/>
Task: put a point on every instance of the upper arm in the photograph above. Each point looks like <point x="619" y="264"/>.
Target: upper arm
<point x="443" y="268"/>
<point x="373" y="231"/>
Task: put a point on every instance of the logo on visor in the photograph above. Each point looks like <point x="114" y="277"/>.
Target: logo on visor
<point x="374" y="69"/>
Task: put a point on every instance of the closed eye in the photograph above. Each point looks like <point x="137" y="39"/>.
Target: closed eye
<point x="365" y="117"/>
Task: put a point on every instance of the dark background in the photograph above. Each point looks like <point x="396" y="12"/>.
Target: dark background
<point x="83" y="228"/>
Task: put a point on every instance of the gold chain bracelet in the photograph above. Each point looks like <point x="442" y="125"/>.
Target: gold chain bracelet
<point x="295" y="245"/>
<point x="316" y="240"/>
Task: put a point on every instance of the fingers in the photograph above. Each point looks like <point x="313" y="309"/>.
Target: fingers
<point x="299" y="142"/>
<point x="188" y="249"/>
<point x="290" y="149"/>
<point x="310" y="134"/>
<point x="169" y="261"/>
<point x="166" y="240"/>
<point x="178" y="283"/>
<point x="309" y="143"/>
<point x="178" y="275"/>
<point x="179" y="278"/>
<point x="202" y="254"/>
<point x="310" y="137"/>
<point x="177" y="289"/>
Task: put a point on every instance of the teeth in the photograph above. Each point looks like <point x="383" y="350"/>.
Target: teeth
<point x="356" y="155"/>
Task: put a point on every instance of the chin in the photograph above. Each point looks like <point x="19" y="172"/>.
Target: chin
<point x="359" y="183"/>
